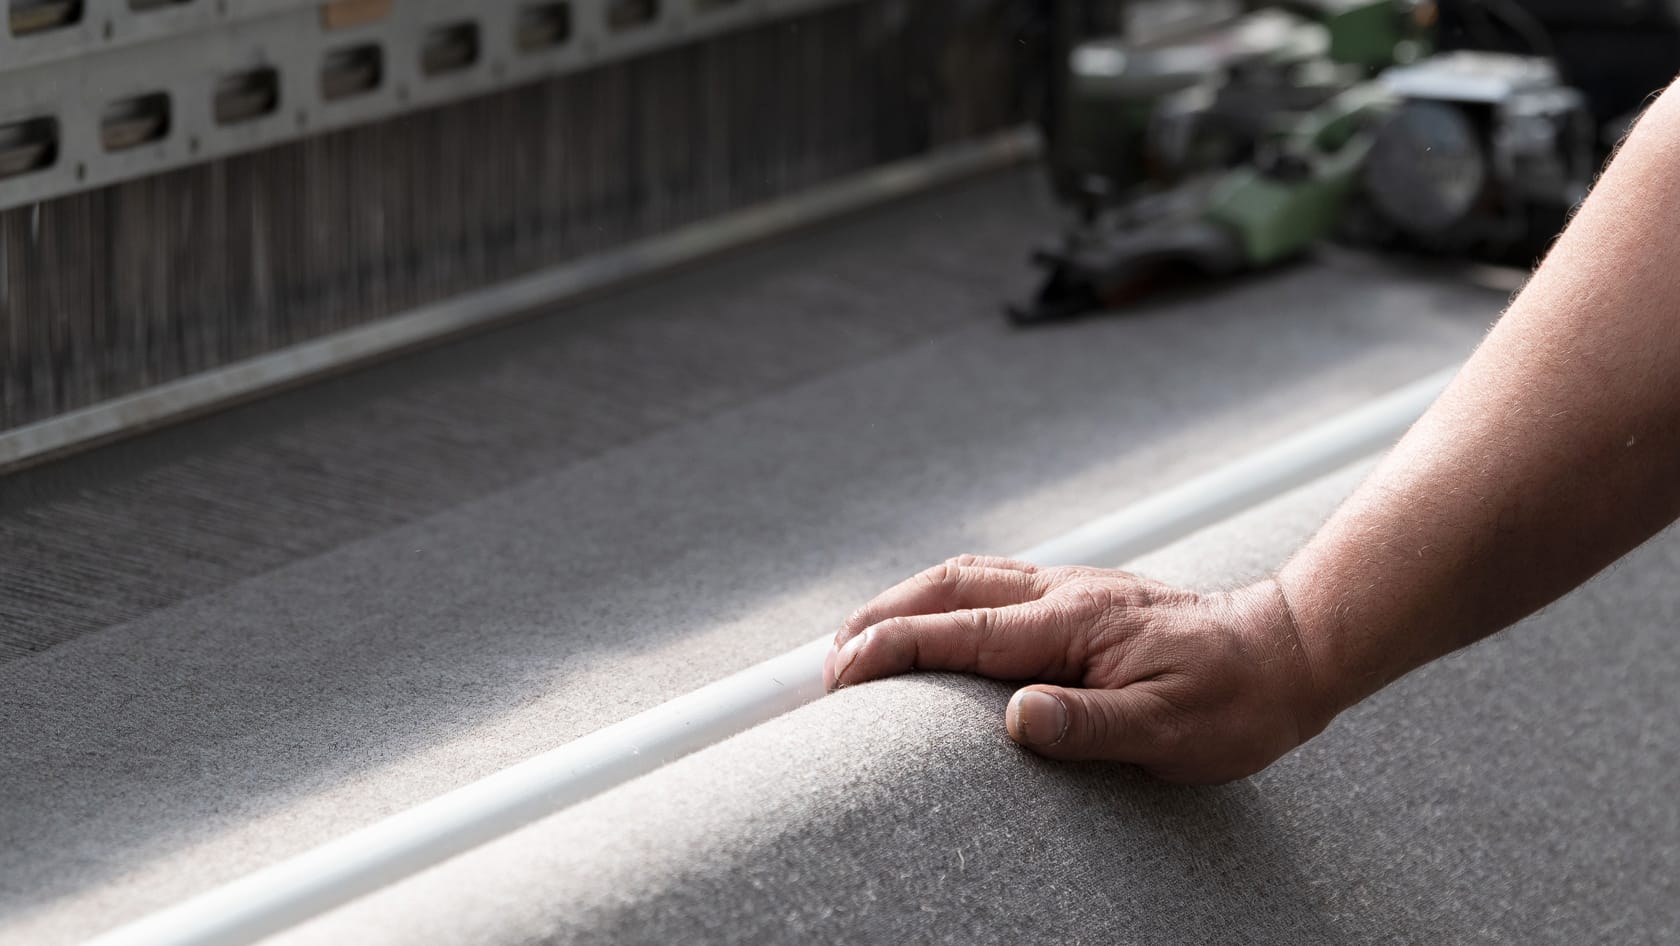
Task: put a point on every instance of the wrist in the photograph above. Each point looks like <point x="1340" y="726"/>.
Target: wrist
<point x="1345" y="672"/>
<point x="1266" y="614"/>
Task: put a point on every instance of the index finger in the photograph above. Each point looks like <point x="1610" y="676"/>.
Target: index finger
<point x="945" y="587"/>
<point x="1017" y="642"/>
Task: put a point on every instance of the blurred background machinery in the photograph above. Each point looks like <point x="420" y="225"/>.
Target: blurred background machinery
<point x="201" y="200"/>
<point x="1207" y="139"/>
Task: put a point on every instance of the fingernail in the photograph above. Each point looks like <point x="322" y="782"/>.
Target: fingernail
<point x="1040" y="718"/>
<point x="848" y="654"/>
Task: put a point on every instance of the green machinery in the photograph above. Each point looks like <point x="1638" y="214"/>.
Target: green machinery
<point x="1241" y="144"/>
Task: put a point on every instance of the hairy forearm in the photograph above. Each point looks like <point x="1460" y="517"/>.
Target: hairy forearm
<point x="1554" y="452"/>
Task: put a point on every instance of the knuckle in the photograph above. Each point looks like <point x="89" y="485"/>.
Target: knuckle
<point x="980" y="624"/>
<point x="983" y="643"/>
<point x="1131" y="594"/>
<point x="964" y="560"/>
<point x="1086" y="601"/>
<point x="1059" y="574"/>
<point x="942" y="575"/>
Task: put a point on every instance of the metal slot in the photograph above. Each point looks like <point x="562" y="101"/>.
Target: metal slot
<point x="349" y="72"/>
<point x="141" y="6"/>
<point x="344" y="14"/>
<point x="247" y="95"/>
<point x="542" y="26"/>
<point x="629" y="14"/>
<point x="38" y="16"/>
<point x="449" y="49"/>
<point x="28" y="146"/>
<point x="127" y="123"/>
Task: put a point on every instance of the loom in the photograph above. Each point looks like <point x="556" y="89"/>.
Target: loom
<point x="203" y="199"/>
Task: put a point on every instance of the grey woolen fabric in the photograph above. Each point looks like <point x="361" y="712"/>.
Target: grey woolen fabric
<point x="1521" y="792"/>
<point x="334" y="605"/>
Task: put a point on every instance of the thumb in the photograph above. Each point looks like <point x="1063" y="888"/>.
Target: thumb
<point x="1062" y="723"/>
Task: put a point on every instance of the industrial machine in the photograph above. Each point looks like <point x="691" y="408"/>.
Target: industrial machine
<point x="203" y="199"/>
<point x="1483" y="153"/>
<point x="1239" y="145"/>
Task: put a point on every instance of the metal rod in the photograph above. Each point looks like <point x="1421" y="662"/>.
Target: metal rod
<point x="480" y="308"/>
<point x="358" y="863"/>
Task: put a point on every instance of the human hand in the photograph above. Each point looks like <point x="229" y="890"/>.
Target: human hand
<point x="1193" y="688"/>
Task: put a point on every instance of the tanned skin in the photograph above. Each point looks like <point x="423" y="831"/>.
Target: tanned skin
<point x="1554" y="452"/>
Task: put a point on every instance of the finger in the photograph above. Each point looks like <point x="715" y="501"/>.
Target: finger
<point x="943" y="588"/>
<point x="1012" y="643"/>
<point x="993" y="561"/>
<point x="1124" y="725"/>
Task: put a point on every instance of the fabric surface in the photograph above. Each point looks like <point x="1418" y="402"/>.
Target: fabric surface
<point x="288" y="621"/>
<point x="1520" y="792"/>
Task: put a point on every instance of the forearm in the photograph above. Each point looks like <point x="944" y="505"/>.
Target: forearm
<point x="1555" y="451"/>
